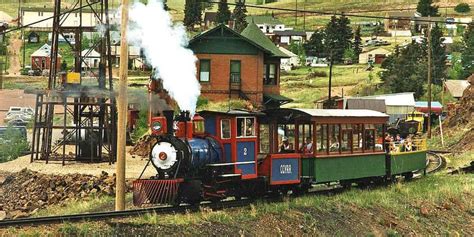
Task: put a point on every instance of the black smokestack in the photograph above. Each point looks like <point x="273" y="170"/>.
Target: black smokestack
<point x="169" y="121"/>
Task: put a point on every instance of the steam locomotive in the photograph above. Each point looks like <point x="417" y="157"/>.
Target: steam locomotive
<point x="216" y="155"/>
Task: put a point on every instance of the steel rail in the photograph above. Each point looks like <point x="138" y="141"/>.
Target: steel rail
<point x="121" y="214"/>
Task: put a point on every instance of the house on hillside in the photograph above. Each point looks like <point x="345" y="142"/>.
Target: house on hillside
<point x="376" y="56"/>
<point x="285" y="37"/>
<point x="210" y="19"/>
<point x="288" y="63"/>
<point x="232" y="65"/>
<point x="33" y="37"/>
<point x="400" y="23"/>
<point x="43" y="18"/>
<point x="266" y="23"/>
<point x="456" y="87"/>
<point x="91" y="58"/>
<point x="41" y="58"/>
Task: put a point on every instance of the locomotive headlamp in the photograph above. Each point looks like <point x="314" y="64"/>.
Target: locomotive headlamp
<point x="156" y="126"/>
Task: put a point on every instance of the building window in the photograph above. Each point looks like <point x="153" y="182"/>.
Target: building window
<point x="269" y="74"/>
<point x="204" y="70"/>
<point x="225" y="128"/>
<point x="235" y="71"/>
<point x="246" y="127"/>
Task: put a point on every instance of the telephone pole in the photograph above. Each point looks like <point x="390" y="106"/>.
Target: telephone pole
<point x="122" y="112"/>
<point x="330" y="81"/>
<point x="429" y="78"/>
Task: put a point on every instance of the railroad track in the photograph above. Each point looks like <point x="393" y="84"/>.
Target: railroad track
<point x="435" y="162"/>
<point x="121" y="214"/>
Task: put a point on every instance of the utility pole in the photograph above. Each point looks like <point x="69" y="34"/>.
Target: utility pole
<point x="330" y="80"/>
<point x="296" y="13"/>
<point x="429" y="77"/>
<point x="304" y="15"/>
<point x="122" y="112"/>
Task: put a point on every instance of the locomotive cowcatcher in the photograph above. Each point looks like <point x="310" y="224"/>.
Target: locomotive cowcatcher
<point x="216" y="155"/>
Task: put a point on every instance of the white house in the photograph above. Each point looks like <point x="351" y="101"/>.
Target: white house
<point x="375" y="55"/>
<point x="287" y="63"/>
<point x="33" y="14"/>
<point x="91" y="58"/>
<point x="266" y="23"/>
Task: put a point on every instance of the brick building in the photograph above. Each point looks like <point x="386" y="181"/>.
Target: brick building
<point x="233" y="65"/>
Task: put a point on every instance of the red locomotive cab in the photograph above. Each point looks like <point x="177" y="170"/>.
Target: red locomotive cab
<point x="158" y="126"/>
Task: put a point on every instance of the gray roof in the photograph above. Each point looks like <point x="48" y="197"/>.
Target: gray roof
<point x="456" y="87"/>
<point x="289" y="33"/>
<point x="343" y="113"/>
<point x="395" y="99"/>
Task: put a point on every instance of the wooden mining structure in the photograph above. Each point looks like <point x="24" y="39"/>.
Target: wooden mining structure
<point x="78" y="108"/>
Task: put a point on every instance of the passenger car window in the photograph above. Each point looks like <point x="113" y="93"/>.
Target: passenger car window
<point x="225" y="128"/>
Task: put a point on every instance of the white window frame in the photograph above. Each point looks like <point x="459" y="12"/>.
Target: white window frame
<point x="245" y="125"/>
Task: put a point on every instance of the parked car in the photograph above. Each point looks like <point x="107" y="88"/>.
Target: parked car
<point x="17" y="122"/>
<point x="24" y="113"/>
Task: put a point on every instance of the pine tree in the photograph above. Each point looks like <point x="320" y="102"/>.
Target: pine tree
<point x="345" y="30"/>
<point x="426" y="8"/>
<point x="239" y="16"/>
<point x="357" y="46"/>
<point x="332" y="41"/>
<point x="223" y="12"/>
<point x="467" y="57"/>
<point x="406" y="72"/>
<point x="192" y="13"/>
<point x="438" y="52"/>
<point x="315" y="46"/>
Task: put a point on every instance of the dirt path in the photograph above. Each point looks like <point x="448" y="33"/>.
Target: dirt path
<point x="14" y="50"/>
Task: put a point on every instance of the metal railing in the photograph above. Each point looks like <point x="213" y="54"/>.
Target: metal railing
<point x="407" y="145"/>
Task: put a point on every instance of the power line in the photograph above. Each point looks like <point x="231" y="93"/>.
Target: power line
<point x="47" y="18"/>
<point x="336" y="14"/>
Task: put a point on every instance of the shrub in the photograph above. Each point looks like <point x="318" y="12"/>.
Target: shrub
<point x="316" y="74"/>
<point x="462" y="8"/>
<point x="12" y="144"/>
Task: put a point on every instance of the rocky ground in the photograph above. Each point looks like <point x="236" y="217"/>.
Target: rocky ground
<point x="24" y="193"/>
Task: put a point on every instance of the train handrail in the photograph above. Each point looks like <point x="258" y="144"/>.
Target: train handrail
<point x="407" y="145"/>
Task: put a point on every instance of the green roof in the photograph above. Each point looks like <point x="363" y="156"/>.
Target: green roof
<point x="264" y="19"/>
<point x="256" y="35"/>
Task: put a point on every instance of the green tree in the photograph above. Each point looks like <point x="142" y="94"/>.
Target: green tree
<point x="315" y="46"/>
<point x="12" y="144"/>
<point x="338" y="37"/>
<point x="240" y="13"/>
<point x="192" y="13"/>
<point x="406" y="72"/>
<point x="462" y="8"/>
<point x="426" y="8"/>
<point x="298" y="49"/>
<point x="467" y="57"/>
<point x="438" y="55"/>
<point x="333" y="42"/>
<point x="357" y="45"/>
<point x="223" y="12"/>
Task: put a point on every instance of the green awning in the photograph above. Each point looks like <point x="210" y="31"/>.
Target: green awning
<point x="275" y="99"/>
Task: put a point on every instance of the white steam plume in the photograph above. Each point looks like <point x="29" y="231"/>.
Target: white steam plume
<point x="164" y="45"/>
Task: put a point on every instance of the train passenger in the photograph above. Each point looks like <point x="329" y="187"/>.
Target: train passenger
<point x="285" y="145"/>
<point x="307" y="146"/>
<point x="388" y="141"/>
<point x="249" y="131"/>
